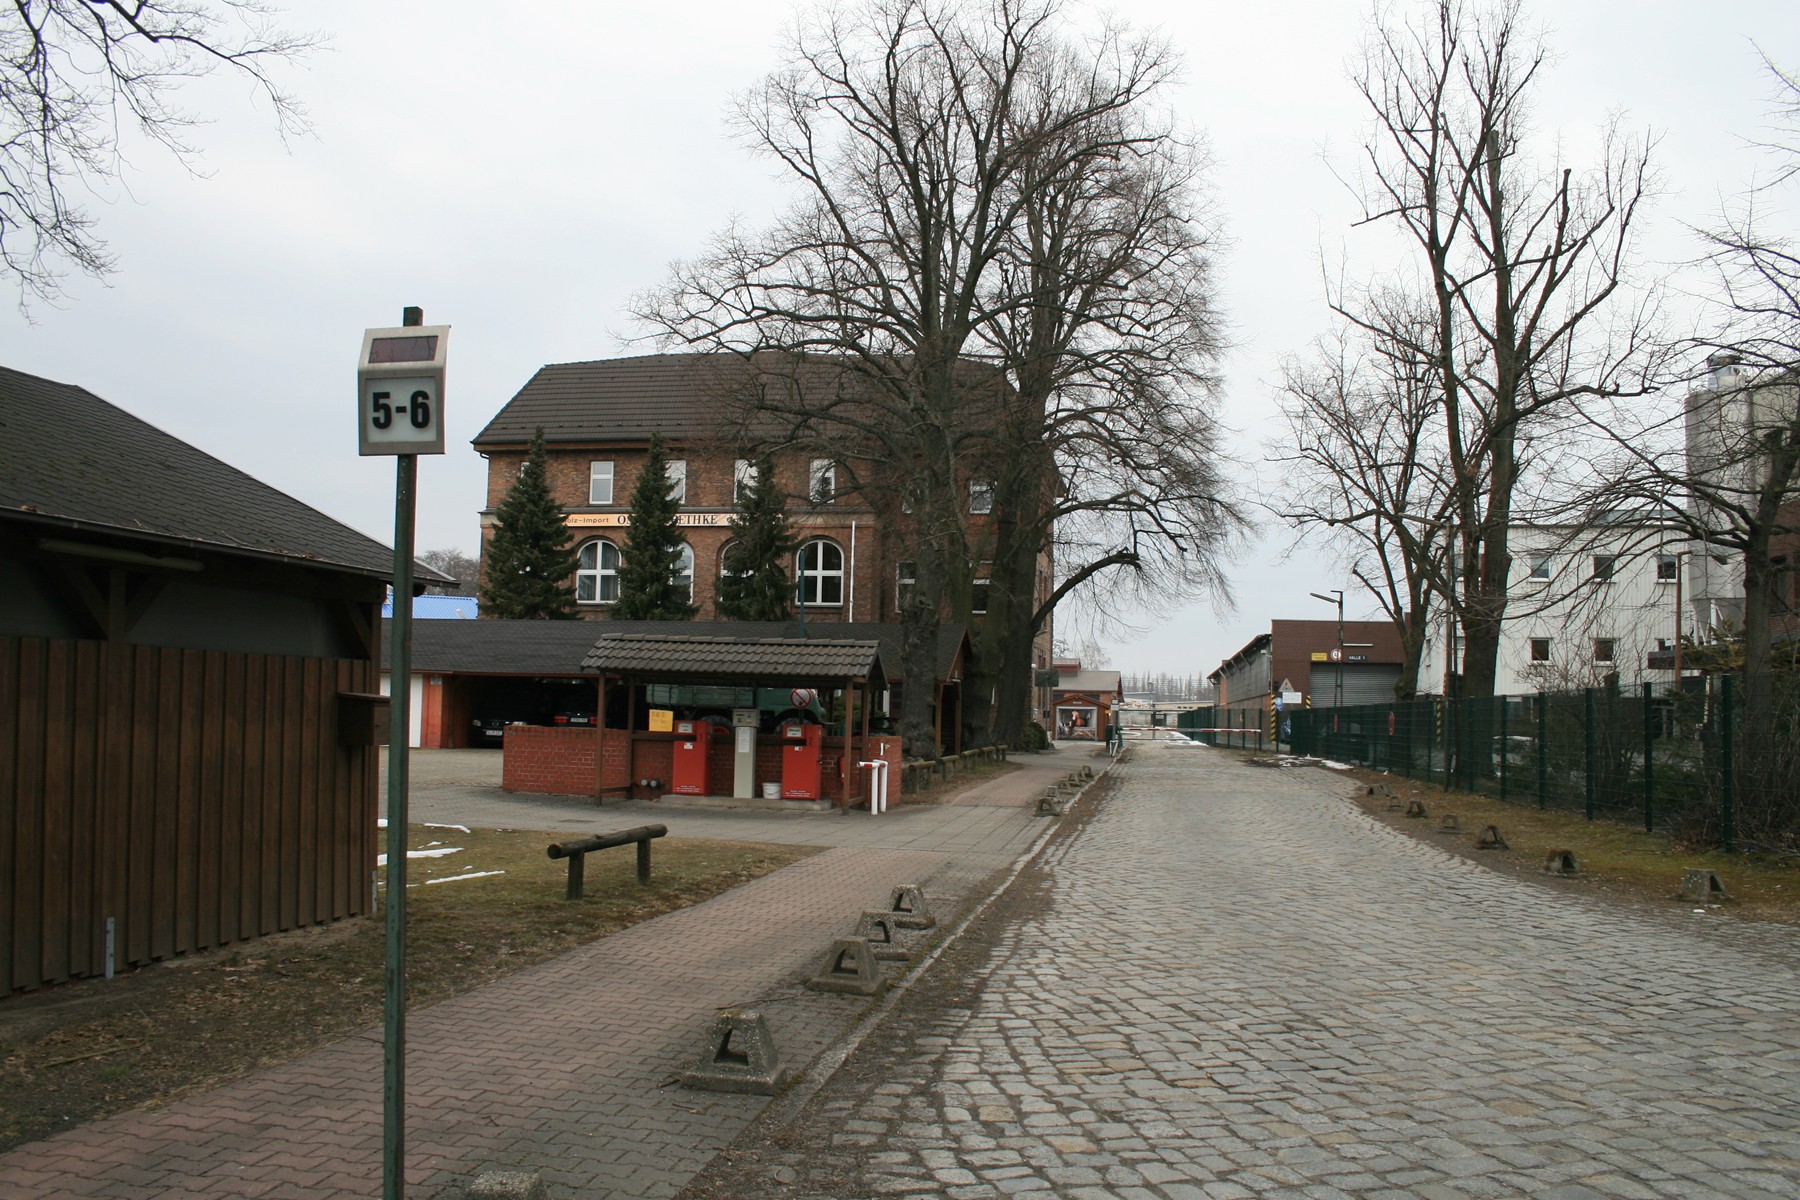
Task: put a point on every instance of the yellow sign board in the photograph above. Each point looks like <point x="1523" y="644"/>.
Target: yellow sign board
<point x="662" y="720"/>
<point x="1320" y="656"/>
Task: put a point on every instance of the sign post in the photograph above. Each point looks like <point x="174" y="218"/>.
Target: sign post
<point x="400" y="405"/>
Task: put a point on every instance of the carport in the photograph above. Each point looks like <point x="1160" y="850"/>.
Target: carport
<point x="852" y="668"/>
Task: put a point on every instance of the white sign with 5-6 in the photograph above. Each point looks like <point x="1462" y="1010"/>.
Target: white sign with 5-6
<point x="400" y="390"/>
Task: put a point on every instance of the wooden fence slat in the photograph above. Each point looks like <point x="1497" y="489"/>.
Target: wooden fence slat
<point x="10" y="850"/>
<point x="58" y="750"/>
<point x="231" y="798"/>
<point x="187" y="675"/>
<point x="28" y="880"/>
<point x="113" y="811"/>
<point x="87" y="690"/>
<point x="135" y="919"/>
<point x="207" y="796"/>
<point x="307" y="808"/>
<point x="293" y="749"/>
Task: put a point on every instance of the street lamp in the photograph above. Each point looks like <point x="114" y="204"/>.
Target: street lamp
<point x="1336" y="597"/>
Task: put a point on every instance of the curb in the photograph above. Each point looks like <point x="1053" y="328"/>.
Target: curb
<point x="782" y="1111"/>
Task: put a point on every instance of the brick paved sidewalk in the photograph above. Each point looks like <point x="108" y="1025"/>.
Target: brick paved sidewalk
<point x="567" y="1066"/>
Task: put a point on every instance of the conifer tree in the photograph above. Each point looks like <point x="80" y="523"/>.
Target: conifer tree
<point x="529" y="558"/>
<point x="755" y="585"/>
<point x="653" y="549"/>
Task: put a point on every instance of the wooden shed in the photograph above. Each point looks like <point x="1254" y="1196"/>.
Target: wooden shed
<point x="187" y="727"/>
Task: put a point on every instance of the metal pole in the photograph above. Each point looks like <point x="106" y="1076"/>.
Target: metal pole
<point x="1649" y="788"/>
<point x="1543" y="749"/>
<point x="1505" y="747"/>
<point x="1727" y="816"/>
<point x="1589" y="752"/>
<point x="393" y="1057"/>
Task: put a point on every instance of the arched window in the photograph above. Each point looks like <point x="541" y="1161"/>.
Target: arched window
<point x="683" y="578"/>
<point x="821" y="572"/>
<point x="725" y="558"/>
<point x="597" y="573"/>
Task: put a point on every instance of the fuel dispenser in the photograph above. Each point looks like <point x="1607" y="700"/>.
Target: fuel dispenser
<point x="693" y="748"/>
<point x="802" y="747"/>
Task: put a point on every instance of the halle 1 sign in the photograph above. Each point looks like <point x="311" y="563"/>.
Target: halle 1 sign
<point x="400" y="390"/>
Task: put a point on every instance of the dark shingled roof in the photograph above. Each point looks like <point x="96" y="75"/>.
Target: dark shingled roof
<point x="686" y="397"/>
<point x="551" y="648"/>
<point x="74" y="461"/>
<point x="616" y="399"/>
<point x="734" y="658"/>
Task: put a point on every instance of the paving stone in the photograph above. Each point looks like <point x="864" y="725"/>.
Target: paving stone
<point x="1355" y="1014"/>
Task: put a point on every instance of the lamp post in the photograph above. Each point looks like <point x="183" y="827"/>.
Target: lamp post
<point x="1336" y="597"/>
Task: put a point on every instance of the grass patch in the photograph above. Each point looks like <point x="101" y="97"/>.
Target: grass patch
<point x="93" y="1048"/>
<point x="1615" y="859"/>
<point x="942" y="790"/>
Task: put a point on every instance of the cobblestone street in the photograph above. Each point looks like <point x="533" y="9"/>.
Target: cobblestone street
<point x="1232" y="982"/>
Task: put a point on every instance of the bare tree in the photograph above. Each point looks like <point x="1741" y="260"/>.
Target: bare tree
<point x="1102" y="314"/>
<point x="74" y="72"/>
<point x="925" y="133"/>
<point x="1736" y="489"/>
<point x="1523" y="268"/>
<point x="464" y="570"/>
<point x="1367" y="468"/>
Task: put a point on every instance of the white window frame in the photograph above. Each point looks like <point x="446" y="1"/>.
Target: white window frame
<point x="676" y="470"/>
<point x="591" y="576"/>
<point x="1609" y="571"/>
<point x="1540" y="568"/>
<point x="595" y="475"/>
<point x="906" y="577"/>
<point x="1531" y="649"/>
<point x="814" y="581"/>
<point x="1673" y="562"/>
<point x="684" y="571"/>
<point x="821" y="481"/>
<point x="978" y="596"/>
<point x="1611" y="648"/>
<point x="743" y="478"/>
<point x="981" y="495"/>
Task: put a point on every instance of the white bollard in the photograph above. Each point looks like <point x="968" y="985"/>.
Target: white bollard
<point x="877" y="784"/>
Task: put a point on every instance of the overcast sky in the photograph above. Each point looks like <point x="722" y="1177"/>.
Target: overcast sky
<point x="520" y="177"/>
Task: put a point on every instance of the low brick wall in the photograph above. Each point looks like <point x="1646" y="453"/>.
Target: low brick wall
<point x="561" y="762"/>
<point x="553" y="761"/>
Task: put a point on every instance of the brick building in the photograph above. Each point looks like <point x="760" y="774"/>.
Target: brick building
<point x="598" y="417"/>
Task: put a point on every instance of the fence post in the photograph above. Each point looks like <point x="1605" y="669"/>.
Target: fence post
<point x="1588" y="699"/>
<point x="1727" y="817"/>
<point x="1543" y="749"/>
<point x="1505" y="746"/>
<point x="1649" y="787"/>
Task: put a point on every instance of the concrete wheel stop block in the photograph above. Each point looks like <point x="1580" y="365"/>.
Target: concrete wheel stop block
<point x="1561" y="862"/>
<point x="850" y="967"/>
<point x="507" y="1185"/>
<point x="739" y="1057"/>
<point x="1702" y="885"/>
<point x="1490" y="839"/>
<point x="1449" y="824"/>
<point x="883" y="935"/>
<point x="1415" y="808"/>
<point x="1050" y="804"/>
<point x="909" y="908"/>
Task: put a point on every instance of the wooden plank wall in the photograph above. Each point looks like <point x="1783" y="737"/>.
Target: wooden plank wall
<point x="199" y="798"/>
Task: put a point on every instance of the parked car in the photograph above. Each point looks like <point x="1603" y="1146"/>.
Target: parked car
<point x="506" y="702"/>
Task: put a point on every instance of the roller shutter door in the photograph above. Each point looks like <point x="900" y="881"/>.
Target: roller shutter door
<point x="1364" y="683"/>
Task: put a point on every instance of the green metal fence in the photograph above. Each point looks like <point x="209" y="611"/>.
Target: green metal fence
<point x="1681" y="762"/>
<point x="1239" y="728"/>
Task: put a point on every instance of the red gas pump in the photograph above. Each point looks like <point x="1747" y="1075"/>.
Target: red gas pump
<point x="693" y="749"/>
<point x="802" y="744"/>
